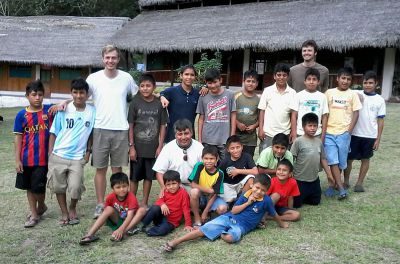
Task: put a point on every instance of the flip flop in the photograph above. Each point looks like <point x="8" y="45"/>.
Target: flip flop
<point x="74" y="221"/>
<point x="63" y="222"/>
<point x="39" y="213"/>
<point x="168" y="248"/>
<point x="88" y="239"/>
<point x="31" y="222"/>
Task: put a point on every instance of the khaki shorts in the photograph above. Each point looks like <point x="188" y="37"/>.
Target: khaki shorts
<point x="110" y="144"/>
<point x="231" y="191"/>
<point x="66" y="175"/>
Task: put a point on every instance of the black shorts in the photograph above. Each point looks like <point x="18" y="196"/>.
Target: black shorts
<point x="32" y="179"/>
<point x="310" y="193"/>
<point x="361" y="148"/>
<point x="142" y="169"/>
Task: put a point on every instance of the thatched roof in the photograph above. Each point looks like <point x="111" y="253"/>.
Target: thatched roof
<point x="143" y="3"/>
<point x="277" y="25"/>
<point x="56" y="40"/>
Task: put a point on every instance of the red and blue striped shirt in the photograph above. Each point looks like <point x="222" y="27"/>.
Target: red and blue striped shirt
<point x="34" y="128"/>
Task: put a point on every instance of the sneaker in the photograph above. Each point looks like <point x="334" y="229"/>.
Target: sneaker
<point x="343" y="194"/>
<point x="330" y="192"/>
<point x="359" y="188"/>
<point x="97" y="212"/>
<point x="133" y="231"/>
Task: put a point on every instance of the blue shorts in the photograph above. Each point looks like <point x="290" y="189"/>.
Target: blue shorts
<point x="361" y="148"/>
<point x="218" y="202"/>
<point x="337" y="148"/>
<point x="223" y="224"/>
<point x="280" y="210"/>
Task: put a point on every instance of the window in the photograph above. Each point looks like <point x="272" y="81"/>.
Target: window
<point x="69" y="74"/>
<point x="20" y="71"/>
<point x="45" y="75"/>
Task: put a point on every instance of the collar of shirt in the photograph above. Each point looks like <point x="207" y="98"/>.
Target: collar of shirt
<point x="183" y="90"/>
<point x="249" y="192"/>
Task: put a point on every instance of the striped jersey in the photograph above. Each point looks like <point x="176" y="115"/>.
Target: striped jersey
<point x="72" y="130"/>
<point x="34" y="128"/>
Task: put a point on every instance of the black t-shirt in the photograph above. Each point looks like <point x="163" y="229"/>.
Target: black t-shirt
<point x="244" y="162"/>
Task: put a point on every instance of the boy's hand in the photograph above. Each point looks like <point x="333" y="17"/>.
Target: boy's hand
<point x="251" y="199"/>
<point x="251" y="128"/>
<point x="161" y="195"/>
<point x="188" y="228"/>
<point x="240" y="126"/>
<point x="203" y="91"/>
<point x="233" y="173"/>
<point x="165" y="209"/>
<point x="292" y="136"/>
<point x="19" y="167"/>
<point x="117" y="234"/>
<point x="261" y="134"/>
<point x="204" y="217"/>
<point x="376" y="145"/>
<point x="132" y="153"/>
<point x="87" y="156"/>
<point x="158" y="151"/>
<point x="164" y="101"/>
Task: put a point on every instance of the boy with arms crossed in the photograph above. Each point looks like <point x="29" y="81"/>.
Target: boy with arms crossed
<point x="368" y="130"/>
<point x="69" y="150"/>
<point x="246" y="214"/>
<point x="31" y="129"/>
<point x="217" y="109"/>
<point x="147" y="125"/>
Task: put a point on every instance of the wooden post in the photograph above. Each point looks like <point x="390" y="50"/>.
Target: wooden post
<point x="388" y="72"/>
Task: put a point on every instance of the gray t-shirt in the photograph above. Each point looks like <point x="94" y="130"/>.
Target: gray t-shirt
<point x="308" y="153"/>
<point x="217" y="116"/>
<point x="297" y="76"/>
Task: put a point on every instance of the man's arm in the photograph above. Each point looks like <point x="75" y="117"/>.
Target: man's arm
<point x="381" y="123"/>
<point x="161" y="139"/>
<point x="200" y="127"/>
<point x="235" y="172"/>
<point x="293" y="126"/>
<point x="52" y="140"/>
<point x="132" y="150"/>
<point x="261" y="133"/>
<point x="160" y="179"/>
<point x="17" y="146"/>
<point x="324" y="123"/>
<point x="210" y="202"/>
<point x="325" y="166"/>
<point x="270" y="172"/>
<point x="233" y="123"/>
<point x="354" y="119"/>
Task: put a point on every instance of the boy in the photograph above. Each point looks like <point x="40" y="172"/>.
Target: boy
<point x="31" y="129"/>
<point x="207" y="182"/>
<point x="269" y="157"/>
<point x="310" y="100"/>
<point x="217" y="109"/>
<point x="69" y="150"/>
<point x="309" y="154"/>
<point x="283" y="189"/>
<point x="239" y="170"/>
<point x="244" y="217"/>
<point x="247" y="112"/>
<point x="119" y="210"/>
<point x="274" y="116"/>
<point x="167" y="211"/>
<point x="147" y="125"/>
<point x="367" y="132"/>
<point x="343" y="106"/>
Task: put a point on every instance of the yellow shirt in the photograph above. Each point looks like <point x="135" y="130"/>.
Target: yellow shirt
<point x="341" y="105"/>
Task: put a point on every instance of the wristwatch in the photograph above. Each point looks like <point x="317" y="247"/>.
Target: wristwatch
<point x="131" y="144"/>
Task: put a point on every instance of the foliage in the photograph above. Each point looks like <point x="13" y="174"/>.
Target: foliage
<point x="122" y="8"/>
<point x="204" y="64"/>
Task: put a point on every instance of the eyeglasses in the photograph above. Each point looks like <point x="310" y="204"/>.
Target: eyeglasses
<point x="185" y="156"/>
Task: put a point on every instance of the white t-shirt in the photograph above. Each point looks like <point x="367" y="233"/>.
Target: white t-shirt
<point x="277" y="111"/>
<point x="110" y="99"/>
<point x="171" y="158"/>
<point x="373" y="107"/>
<point x="305" y="102"/>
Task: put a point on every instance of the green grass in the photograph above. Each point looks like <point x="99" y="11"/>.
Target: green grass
<point x="362" y="229"/>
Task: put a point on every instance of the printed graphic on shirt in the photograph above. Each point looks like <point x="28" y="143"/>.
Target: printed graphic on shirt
<point x="217" y="110"/>
<point x="122" y="211"/>
<point x="311" y="106"/>
<point x="339" y="103"/>
<point x="150" y="125"/>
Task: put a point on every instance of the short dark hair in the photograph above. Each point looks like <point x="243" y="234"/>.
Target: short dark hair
<point x="347" y="71"/>
<point x="370" y="75"/>
<point x="287" y="163"/>
<point x="310" y="42"/>
<point x="118" y="178"/>
<point x="250" y="74"/>
<point x="309" y="118"/>
<point x="212" y="150"/>
<point x="79" y="84"/>
<point x="147" y="77"/>
<point x="280" y="139"/>
<point x="34" y="86"/>
<point x="211" y="74"/>
<point x="182" y="125"/>
<point x="281" y="67"/>
<point x="171" y="175"/>
<point x="263" y="179"/>
<point x="188" y="66"/>
<point x="233" y="139"/>
<point x="312" y="72"/>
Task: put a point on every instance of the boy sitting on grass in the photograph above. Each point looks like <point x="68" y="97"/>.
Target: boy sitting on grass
<point x="244" y="217"/>
<point x="120" y="210"/>
<point x="167" y="211"/>
<point x="207" y="182"/>
<point x="269" y="157"/>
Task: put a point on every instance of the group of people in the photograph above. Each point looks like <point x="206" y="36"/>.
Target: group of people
<point x="301" y="130"/>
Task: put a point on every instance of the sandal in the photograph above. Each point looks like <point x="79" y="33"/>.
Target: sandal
<point x="63" y="222"/>
<point x="168" y="248"/>
<point x="74" y="221"/>
<point x="88" y="239"/>
<point x="39" y="213"/>
<point x="261" y="225"/>
<point x="197" y="225"/>
<point x="31" y="222"/>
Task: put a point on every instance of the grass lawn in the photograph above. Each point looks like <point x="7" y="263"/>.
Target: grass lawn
<point x="362" y="229"/>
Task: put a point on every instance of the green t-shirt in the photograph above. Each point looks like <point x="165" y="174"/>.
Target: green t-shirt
<point x="247" y="113"/>
<point x="268" y="160"/>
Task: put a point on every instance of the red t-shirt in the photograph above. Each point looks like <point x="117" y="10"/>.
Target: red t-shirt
<point x="129" y="203"/>
<point x="178" y="204"/>
<point x="289" y="188"/>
